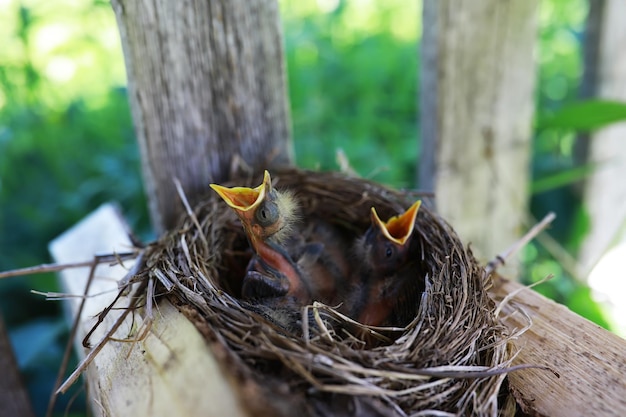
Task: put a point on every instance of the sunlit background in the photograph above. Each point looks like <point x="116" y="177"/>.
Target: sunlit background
<point x="67" y="143"/>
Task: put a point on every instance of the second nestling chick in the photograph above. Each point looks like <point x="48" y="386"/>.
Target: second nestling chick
<point x="388" y="272"/>
<point x="268" y="218"/>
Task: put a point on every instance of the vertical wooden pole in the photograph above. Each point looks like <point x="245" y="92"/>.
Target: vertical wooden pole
<point x="477" y="81"/>
<point x="605" y="194"/>
<point x="589" y="82"/>
<point x="207" y="89"/>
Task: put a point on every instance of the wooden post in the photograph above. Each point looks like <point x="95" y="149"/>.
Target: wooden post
<point x="605" y="194"/>
<point x="207" y="92"/>
<point x="477" y="81"/>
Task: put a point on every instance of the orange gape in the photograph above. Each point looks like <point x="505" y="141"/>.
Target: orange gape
<point x="301" y="264"/>
<point x="387" y="265"/>
<point x="294" y="266"/>
<point x="267" y="218"/>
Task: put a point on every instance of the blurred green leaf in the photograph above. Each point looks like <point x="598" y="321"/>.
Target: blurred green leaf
<point x="579" y="229"/>
<point x="562" y="178"/>
<point x="352" y="85"/>
<point x="584" y="116"/>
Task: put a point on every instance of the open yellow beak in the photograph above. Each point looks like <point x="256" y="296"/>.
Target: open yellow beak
<point x="244" y="198"/>
<point x="398" y="228"/>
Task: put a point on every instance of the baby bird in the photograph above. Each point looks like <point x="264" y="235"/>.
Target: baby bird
<point x="268" y="217"/>
<point x="331" y="269"/>
<point x="388" y="269"/>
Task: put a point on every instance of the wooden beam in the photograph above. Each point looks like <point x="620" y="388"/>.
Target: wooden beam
<point x="172" y="371"/>
<point x="591" y="361"/>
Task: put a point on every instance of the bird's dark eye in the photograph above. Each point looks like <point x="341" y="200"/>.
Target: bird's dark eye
<point x="267" y="214"/>
<point x="389" y="252"/>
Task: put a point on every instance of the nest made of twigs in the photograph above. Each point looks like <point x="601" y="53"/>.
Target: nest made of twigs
<point x="451" y="358"/>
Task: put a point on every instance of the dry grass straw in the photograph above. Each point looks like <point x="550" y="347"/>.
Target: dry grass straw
<point x="450" y="360"/>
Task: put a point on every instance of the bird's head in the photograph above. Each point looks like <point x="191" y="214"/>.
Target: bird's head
<point x="385" y="245"/>
<point x="264" y="212"/>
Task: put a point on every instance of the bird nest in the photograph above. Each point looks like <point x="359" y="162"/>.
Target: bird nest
<point x="451" y="358"/>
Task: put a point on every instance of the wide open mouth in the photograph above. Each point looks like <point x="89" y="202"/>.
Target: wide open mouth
<point x="398" y="228"/>
<point x="244" y="198"/>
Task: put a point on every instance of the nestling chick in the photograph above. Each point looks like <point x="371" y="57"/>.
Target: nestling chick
<point x="331" y="269"/>
<point x="268" y="217"/>
<point x="388" y="269"/>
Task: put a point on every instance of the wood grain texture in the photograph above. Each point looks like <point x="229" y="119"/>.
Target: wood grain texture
<point x="591" y="361"/>
<point x="172" y="372"/>
<point x="207" y="86"/>
<point x="478" y="76"/>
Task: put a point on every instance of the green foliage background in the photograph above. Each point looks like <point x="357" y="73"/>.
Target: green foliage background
<point x="67" y="143"/>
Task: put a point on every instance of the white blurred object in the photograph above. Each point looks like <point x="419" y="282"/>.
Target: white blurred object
<point x="608" y="282"/>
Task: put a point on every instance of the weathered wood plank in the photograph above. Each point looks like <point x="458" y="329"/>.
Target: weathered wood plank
<point x="591" y="361"/>
<point x="171" y="372"/>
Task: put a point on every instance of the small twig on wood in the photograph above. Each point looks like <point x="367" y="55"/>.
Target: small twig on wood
<point x="40" y="269"/>
<point x="147" y="323"/>
<point x="101" y="316"/>
<point x="561" y="255"/>
<point x="92" y="354"/>
<point x="513" y="294"/>
<point x="62" y="296"/>
<point x="74" y="330"/>
<point x="124" y="283"/>
<point x="194" y="219"/>
<point x="534" y="231"/>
